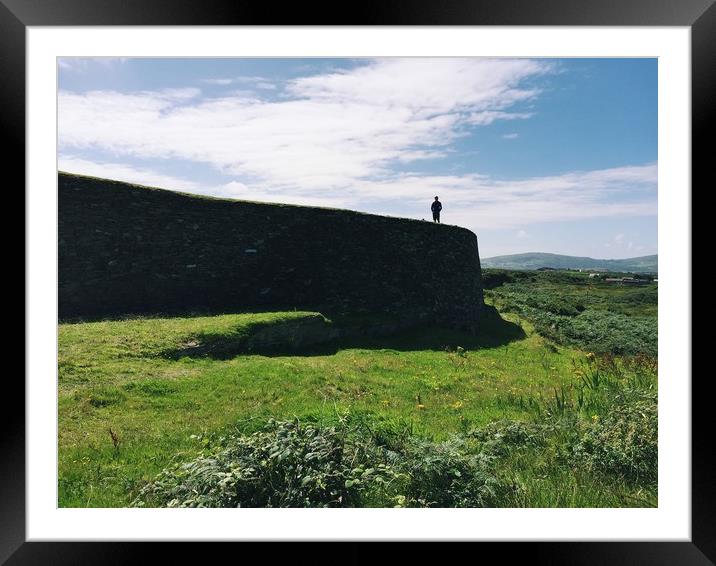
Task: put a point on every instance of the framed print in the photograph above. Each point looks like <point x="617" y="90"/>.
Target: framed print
<point x="287" y="345"/>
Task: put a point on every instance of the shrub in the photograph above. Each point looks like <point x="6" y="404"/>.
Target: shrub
<point x="602" y="331"/>
<point x="523" y="300"/>
<point x="555" y="304"/>
<point x="618" y="320"/>
<point x="599" y="331"/>
<point x="446" y="474"/>
<point x="500" y="437"/>
<point x="643" y="296"/>
<point x="492" y="278"/>
<point x="289" y="464"/>
<point x="624" y="442"/>
<point x="285" y="465"/>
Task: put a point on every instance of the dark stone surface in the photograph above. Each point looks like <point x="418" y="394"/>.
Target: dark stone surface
<point x="128" y="249"/>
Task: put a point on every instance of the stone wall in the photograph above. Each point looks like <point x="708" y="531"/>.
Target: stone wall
<point x="129" y="249"/>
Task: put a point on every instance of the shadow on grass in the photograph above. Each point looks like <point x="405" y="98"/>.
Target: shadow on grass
<point x="322" y="339"/>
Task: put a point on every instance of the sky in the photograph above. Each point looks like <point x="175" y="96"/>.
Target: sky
<point x="533" y="155"/>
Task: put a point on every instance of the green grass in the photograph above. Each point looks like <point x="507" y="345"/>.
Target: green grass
<point x="125" y="375"/>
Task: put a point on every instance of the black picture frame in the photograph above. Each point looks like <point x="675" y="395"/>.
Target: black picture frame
<point x="699" y="15"/>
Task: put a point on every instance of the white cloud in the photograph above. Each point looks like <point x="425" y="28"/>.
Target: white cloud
<point x="83" y="64"/>
<point x="334" y="129"/>
<point x="427" y="86"/>
<point x="488" y="117"/>
<point x="479" y="202"/>
<point x="218" y="82"/>
<point x="510" y="136"/>
<point x="474" y="201"/>
<point x="334" y="139"/>
<point x="123" y="172"/>
<point x="256" y="82"/>
<point x="249" y="79"/>
<point x="620" y="241"/>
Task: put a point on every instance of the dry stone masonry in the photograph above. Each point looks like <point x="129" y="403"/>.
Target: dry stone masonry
<point x="129" y="249"/>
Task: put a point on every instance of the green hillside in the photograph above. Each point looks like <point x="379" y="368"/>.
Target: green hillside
<point x="648" y="263"/>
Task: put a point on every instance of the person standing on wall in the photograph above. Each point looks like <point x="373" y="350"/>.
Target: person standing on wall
<point x="436" y="207"/>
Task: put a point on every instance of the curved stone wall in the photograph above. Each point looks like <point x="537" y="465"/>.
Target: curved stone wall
<point x="130" y="249"/>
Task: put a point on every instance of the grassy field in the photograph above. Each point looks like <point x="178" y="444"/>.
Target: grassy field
<point x="138" y="395"/>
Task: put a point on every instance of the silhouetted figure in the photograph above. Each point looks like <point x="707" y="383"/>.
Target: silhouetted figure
<point x="436" y="207"/>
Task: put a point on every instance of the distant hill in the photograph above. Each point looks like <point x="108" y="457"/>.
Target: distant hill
<point x="647" y="263"/>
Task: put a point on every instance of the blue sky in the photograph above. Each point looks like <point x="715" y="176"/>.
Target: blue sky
<point x="549" y="155"/>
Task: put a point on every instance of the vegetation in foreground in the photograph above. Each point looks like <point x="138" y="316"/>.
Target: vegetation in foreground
<point x="428" y="418"/>
<point x="562" y="458"/>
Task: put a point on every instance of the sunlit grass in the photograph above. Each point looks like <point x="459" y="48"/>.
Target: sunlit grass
<point x="116" y="375"/>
